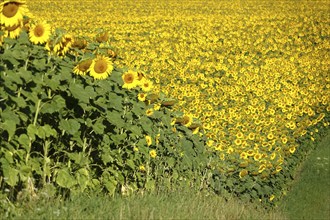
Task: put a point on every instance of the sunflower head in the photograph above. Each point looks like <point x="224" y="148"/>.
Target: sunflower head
<point x="243" y="173"/>
<point x="148" y="140"/>
<point x="13" y="31"/>
<point x="146" y="85"/>
<point x="142" y="97"/>
<point x="82" y="67"/>
<point x="130" y="79"/>
<point x="187" y="120"/>
<point x="101" y="67"/>
<point x="64" y="45"/>
<point x="79" y="43"/>
<point x="40" y="33"/>
<point x="12" y="12"/>
<point x="153" y="153"/>
<point x="150" y="112"/>
<point x="112" y="54"/>
<point x="102" y="37"/>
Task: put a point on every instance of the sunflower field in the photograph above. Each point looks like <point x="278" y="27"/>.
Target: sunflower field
<point x="125" y="96"/>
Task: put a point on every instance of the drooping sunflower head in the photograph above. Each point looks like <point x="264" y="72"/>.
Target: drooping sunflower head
<point x="101" y="67"/>
<point x="40" y="33"/>
<point x="13" y="31"/>
<point x="102" y="37"/>
<point x="82" y="67"/>
<point x="187" y="120"/>
<point x="243" y="173"/>
<point x="112" y="54"/>
<point x="12" y="12"/>
<point x="130" y="79"/>
<point x="65" y="45"/>
<point x="79" y="43"/>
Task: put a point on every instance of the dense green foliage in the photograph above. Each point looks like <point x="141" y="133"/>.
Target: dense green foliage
<point x="78" y="133"/>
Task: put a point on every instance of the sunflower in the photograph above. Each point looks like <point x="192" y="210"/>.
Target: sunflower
<point x="102" y="37"/>
<point x="262" y="167"/>
<point x="157" y="106"/>
<point x="146" y="85"/>
<point x="62" y="47"/>
<point x="142" y="168"/>
<point x="101" y="67"/>
<point x="130" y="79"/>
<point x="148" y="140"/>
<point x="39" y="33"/>
<point x="12" y="12"/>
<point x="153" y="153"/>
<point x="243" y="173"/>
<point x="66" y="43"/>
<point x="79" y="43"/>
<point x="14" y="31"/>
<point x="187" y="120"/>
<point x="82" y="67"/>
<point x="142" y="97"/>
<point x="149" y="112"/>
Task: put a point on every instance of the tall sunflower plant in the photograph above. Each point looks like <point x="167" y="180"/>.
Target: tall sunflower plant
<point x="72" y="122"/>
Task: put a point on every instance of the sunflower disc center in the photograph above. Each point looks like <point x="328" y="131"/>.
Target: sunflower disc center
<point x="39" y="31"/>
<point x="128" y="79"/>
<point x="100" y="66"/>
<point x="10" y="9"/>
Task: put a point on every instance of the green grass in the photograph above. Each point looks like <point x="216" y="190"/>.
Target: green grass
<point x="178" y="205"/>
<point x="309" y="197"/>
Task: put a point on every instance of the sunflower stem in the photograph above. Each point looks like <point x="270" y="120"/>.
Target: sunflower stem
<point x="85" y="144"/>
<point x="37" y="112"/>
<point x="49" y="93"/>
<point x="46" y="145"/>
<point x="26" y="63"/>
<point x="19" y="92"/>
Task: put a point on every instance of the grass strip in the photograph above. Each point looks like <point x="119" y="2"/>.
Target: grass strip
<point x="175" y="205"/>
<point x="309" y="197"/>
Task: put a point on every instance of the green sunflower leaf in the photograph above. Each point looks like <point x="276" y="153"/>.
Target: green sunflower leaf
<point x="10" y="127"/>
<point x="71" y="126"/>
<point x="65" y="179"/>
<point x="114" y="118"/>
<point x="10" y="174"/>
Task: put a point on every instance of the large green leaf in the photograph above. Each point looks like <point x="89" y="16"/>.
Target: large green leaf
<point x="115" y="118"/>
<point x="98" y="127"/>
<point x="25" y="141"/>
<point x="54" y="105"/>
<point x="118" y="138"/>
<point x="10" y="127"/>
<point x="10" y="174"/>
<point x="81" y="93"/>
<point x="71" y="126"/>
<point x="65" y="179"/>
<point x="20" y="101"/>
<point x="115" y="101"/>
